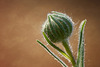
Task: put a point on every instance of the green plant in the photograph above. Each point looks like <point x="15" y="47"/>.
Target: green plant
<point x="58" y="28"/>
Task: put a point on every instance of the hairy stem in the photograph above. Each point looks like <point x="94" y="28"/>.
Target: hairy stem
<point x="68" y="50"/>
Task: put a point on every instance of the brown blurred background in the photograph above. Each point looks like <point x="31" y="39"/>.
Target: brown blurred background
<point x="20" y="26"/>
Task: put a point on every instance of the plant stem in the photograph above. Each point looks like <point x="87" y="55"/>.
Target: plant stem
<point x="68" y="50"/>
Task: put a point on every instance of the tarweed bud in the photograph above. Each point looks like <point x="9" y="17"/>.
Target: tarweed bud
<point x="58" y="26"/>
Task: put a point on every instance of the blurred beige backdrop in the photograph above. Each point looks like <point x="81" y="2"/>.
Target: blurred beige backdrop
<point x="20" y="26"/>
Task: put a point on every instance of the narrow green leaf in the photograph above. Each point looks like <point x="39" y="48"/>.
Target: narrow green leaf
<point x="57" y="48"/>
<point x="49" y="51"/>
<point x="80" y="56"/>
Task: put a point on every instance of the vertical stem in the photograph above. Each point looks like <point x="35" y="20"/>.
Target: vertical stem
<point x="68" y="50"/>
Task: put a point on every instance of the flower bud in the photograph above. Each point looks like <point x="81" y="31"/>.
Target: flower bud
<point x="58" y="26"/>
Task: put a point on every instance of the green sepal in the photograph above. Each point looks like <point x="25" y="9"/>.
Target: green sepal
<point x="65" y="17"/>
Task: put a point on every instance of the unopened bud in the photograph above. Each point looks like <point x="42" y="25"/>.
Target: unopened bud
<point x="58" y="26"/>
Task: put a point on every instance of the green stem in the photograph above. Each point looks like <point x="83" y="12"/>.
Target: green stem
<point x="68" y="50"/>
<point x="47" y="49"/>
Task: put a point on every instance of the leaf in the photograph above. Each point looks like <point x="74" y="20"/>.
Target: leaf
<point x="57" y="48"/>
<point x="80" y="56"/>
<point x="50" y="52"/>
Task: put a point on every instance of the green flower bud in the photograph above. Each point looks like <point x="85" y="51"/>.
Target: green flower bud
<point x="58" y="26"/>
